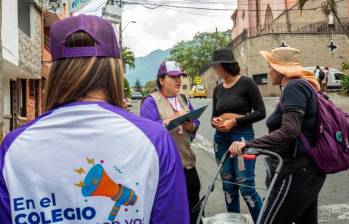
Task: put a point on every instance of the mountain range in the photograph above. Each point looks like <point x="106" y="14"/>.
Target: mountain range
<point x="147" y="67"/>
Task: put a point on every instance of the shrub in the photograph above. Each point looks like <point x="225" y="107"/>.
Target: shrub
<point x="345" y="85"/>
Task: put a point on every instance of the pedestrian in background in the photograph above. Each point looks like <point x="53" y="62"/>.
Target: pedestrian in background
<point x="86" y="145"/>
<point x="163" y="106"/>
<point x="237" y="104"/>
<point x="294" y="199"/>
<point x="320" y="75"/>
<point x="325" y="80"/>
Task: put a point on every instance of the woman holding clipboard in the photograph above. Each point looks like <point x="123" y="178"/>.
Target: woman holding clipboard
<point x="163" y="106"/>
<point x="237" y="104"/>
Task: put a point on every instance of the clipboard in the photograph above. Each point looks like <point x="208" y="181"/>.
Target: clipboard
<point x="192" y="115"/>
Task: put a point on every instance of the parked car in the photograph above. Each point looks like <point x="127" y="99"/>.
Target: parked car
<point x="136" y="96"/>
<point x="198" y="91"/>
<point x="334" y="77"/>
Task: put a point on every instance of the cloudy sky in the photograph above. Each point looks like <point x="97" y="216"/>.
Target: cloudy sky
<point x="163" y="27"/>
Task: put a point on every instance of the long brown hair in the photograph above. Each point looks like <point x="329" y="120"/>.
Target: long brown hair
<point x="71" y="79"/>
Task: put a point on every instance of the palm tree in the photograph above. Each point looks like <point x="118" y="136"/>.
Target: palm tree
<point x="128" y="58"/>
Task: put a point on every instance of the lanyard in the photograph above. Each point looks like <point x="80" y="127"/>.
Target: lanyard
<point x="175" y="109"/>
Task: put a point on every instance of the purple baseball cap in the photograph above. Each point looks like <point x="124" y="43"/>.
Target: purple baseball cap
<point x="170" y="68"/>
<point x="100" y="30"/>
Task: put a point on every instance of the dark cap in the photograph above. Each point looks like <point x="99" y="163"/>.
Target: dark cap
<point x="100" y="30"/>
<point x="224" y="55"/>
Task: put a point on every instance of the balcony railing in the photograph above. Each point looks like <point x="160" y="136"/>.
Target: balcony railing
<point x="315" y="28"/>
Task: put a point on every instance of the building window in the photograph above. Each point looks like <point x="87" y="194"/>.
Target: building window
<point x="184" y="87"/>
<point x="24" y="16"/>
<point x="268" y="16"/>
<point x="260" y="79"/>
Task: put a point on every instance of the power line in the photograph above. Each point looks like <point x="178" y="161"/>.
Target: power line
<point x="203" y="14"/>
<point x="209" y="2"/>
<point x="182" y="3"/>
<point x="158" y="5"/>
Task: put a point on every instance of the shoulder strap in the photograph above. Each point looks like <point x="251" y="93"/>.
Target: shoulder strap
<point x="184" y="97"/>
<point x="301" y="136"/>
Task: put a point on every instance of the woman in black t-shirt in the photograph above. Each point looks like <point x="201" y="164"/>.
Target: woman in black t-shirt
<point x="295" y="195"/>
<point x="237" y="104"/>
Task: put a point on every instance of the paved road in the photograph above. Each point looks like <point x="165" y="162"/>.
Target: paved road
<point x="334" y="197"/>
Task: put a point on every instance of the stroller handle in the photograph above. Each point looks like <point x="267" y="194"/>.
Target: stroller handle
<point x="247" y="151"/>
<point x="254" y="151"/>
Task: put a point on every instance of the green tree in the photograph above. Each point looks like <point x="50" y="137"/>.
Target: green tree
<point x="345" y="79"/>
<point x="128" y="58"/>
<point x="127" y="89"/>
<point x="149" y="87"/>
<point x="194" y="55"/>
<point x="138" y="86"/>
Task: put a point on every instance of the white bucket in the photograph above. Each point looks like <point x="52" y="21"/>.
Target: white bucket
<point x="228" y="218"/>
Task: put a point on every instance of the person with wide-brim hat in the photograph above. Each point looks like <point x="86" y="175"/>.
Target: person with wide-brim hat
<point x="295" y="196"/>
<point x="287" y="61"/>
<point x="87" y="160"/>
<point x="237" y="104"/>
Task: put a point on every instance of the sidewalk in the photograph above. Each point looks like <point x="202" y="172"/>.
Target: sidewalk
<point x="341" y="101"/>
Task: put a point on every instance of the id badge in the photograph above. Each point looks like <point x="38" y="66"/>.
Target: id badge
<point x="180" y="130"/>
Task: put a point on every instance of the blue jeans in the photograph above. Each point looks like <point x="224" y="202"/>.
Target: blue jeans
<point x="230" y="173"/>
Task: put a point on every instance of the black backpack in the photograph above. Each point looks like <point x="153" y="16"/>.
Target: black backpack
<point x="321" y="75"/>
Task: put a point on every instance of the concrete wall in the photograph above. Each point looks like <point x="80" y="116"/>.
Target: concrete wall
<point x="247" y="16"/>
<point x="313" y="49"/>
<point x="312" y="41"/>
<point x="312" y="16"/>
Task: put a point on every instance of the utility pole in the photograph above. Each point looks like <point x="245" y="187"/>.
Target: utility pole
<point x="1" y="81"/>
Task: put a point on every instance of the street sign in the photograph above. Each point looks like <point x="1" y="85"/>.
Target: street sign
<point x="76" y="5"/>
<point x="197" y="80"/>
<point x="112" y="13"/>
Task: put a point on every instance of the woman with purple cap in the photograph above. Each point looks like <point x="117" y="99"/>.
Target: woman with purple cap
<point x="163" y="106"/>
<point x="87" y="160"/>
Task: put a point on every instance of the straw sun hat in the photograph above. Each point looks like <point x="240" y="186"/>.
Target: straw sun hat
<point x="287" y="61"/>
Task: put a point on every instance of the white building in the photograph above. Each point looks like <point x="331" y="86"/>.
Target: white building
<point x="21" y="35"/>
